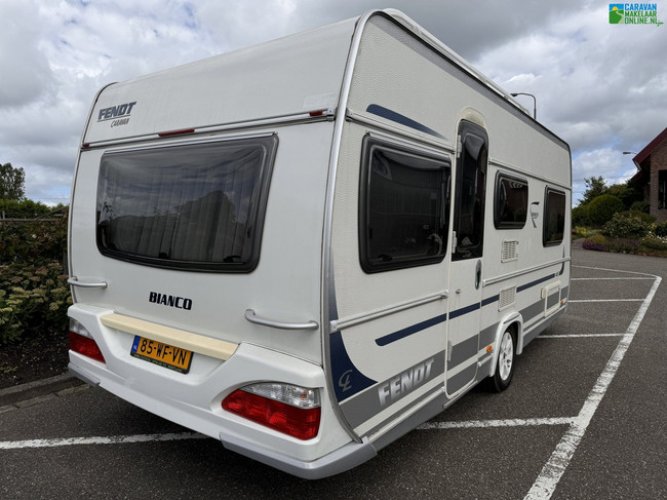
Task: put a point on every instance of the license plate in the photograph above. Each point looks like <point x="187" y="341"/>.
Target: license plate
<point x="165" y="355"/>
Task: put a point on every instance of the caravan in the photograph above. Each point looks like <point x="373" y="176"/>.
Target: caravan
<point x="307" y="248"/>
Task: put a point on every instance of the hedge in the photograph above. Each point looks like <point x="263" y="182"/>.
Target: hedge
<point x="34" y="295"/>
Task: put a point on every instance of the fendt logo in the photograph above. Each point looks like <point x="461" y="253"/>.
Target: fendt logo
<point x="120" y="114"/>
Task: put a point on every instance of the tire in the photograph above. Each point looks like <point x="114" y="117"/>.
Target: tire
<point x="502" y="377"/>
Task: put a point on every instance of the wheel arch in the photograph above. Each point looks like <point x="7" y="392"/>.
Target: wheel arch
<point x="513" y="320"/>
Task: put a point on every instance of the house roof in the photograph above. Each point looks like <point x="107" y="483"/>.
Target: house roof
<point x="649" y="148"/>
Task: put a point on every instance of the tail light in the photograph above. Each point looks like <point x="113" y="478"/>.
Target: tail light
<point x="81" y="342"/>
<point x="286" y="408"/>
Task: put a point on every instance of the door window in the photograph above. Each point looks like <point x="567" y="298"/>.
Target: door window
<point x="470" y="192"/>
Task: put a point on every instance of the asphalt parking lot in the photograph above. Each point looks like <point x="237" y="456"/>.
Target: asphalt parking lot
<point x="584" y="418"/>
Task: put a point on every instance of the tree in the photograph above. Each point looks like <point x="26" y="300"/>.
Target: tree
<point x="12" y="181"/>
<point x="595" y="186"/>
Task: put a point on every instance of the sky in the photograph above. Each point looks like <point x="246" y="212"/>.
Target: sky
<point x="602" y="87"/>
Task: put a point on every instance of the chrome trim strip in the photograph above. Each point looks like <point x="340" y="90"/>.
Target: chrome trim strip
<point x="251" y="316"/>
<point x="440" y="145"/>
<point x="206" y="129"/>
<point x="515" y="274"/>
<point x="328" y="291"/>
<point x="359" y="319"/>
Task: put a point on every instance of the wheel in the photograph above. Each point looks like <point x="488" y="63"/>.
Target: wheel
<point x="502" y="377"/>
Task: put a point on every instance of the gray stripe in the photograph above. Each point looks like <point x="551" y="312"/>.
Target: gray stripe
<point x="553" y="299"/>
<point x="463" y="351"/>
<point x="376" y="398"/>
<point x="486" y="358"/>
<point x="461" y="379"/>
<point x="397" y="415"/>
<point x="488" y="335"/>
<point x="564" y="292"/>
<point x="536" y="309"/>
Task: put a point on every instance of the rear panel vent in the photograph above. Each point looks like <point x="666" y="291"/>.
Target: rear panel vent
<point x="507" y="297"/>
<point x="509" y="251"/>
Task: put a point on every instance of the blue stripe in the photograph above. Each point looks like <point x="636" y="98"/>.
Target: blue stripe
<point x="378" y="110"/>
<point x="536" y="282"/>
<point x="464" y="310"/>
<point x="490" y="300"/>
<point x="405" y="332"/>
<point x="347" y="379"/>
<point x="410" y="330"/>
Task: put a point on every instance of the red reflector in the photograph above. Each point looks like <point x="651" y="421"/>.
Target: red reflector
<point x="297" y="422"/>
<point x="170" y="133"/>
<point x="319" y="112"/>
<point x="85" y="346"/>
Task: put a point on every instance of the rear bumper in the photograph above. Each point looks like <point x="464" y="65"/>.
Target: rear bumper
<point x="340" y="460"/>
<point x="344" y="458"/>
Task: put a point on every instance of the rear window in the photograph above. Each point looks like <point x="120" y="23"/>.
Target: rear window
<point x="197" y="207"/>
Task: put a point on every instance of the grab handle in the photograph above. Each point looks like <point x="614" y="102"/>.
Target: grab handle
<point x="251" y="316"/>
<point x="74" y="281"/>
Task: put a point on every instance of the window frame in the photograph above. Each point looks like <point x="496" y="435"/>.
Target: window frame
<point x="369" y="144"/>
<point x="269" y="142"/>
<point x="470" y="130"/>
<point x="499" y="224"/>
<point x="547" y="191"/>
<point x="662" y="189"/>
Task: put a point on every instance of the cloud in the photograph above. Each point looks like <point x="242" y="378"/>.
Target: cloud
<point x="601" y="87"/>
<point x="24" y="70"/>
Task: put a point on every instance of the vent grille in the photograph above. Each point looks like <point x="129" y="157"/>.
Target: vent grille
<point x="507" y="297"/>
<point x="509" y="251"/>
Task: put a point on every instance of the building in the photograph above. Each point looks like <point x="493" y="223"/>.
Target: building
<point x="652" y="175"/>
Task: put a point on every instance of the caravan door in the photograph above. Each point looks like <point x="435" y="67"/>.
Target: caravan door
<point x="466" y="265"/>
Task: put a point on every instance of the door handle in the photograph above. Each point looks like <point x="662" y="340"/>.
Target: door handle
<point x="74" y="281"/>
<point x="478" y="274"/>
<point x="251" y="316"/>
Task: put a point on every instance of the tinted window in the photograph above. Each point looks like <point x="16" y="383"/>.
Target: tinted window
<point x="196" y="207"/>
<point x="470" y="192"/>
<point x="403" y="207"/>
<point x="554" y="217"/>
<point x="511" y="203"/>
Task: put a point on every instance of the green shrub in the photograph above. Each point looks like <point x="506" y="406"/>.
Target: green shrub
<point x="33" y="300"/>
<point x="626" y="225"/>
<point x="640" y="206"/>
<point x="33" y="241"/>
<point x="623" y="245"/>
<point x="661" y="229"/>
<point x="24" y="209"/>
<point x="580" y="216"/>
<point x="602" y="208"/>
<point x="595" y="242"/>
<point x="649" y="219"/>
<point x="654" y="242"/>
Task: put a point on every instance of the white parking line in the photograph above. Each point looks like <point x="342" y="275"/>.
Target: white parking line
<point x="602" y="279"/>
<point x="545" y="484"/>
<point x="604" y="300"/>
<point x="511" y="422"/>
<point x="136" y="438"/>
<point x="580" y="335"/>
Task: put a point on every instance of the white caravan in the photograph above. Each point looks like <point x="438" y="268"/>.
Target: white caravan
<point x="307" y="248"/>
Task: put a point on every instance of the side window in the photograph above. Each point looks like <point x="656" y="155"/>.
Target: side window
<point x="511" y="202"/>
<point x="470" y="192"/>
<point x="403" y="207"/>
<point x="554" y="217"/>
